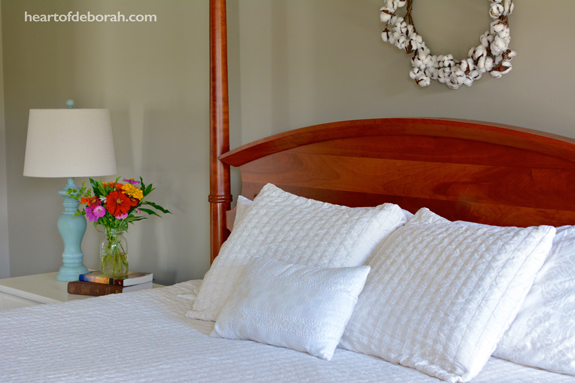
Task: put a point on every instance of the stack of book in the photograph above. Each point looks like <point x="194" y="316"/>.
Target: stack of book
<point x="95" y="283"/>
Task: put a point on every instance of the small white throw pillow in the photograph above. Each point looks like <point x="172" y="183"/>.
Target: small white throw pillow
<point x="440" y="295"/>
<point x="543" y="334"/>
<point x="293" y="229"/>
<point x="293" y="306"/>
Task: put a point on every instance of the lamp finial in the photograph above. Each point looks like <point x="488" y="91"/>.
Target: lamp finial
<point x="70" y="104"/>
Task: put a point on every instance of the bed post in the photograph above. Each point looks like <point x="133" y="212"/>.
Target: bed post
<point x="220" y="194"/>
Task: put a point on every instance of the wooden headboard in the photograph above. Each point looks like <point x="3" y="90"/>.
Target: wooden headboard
<point x="462" y="170"/>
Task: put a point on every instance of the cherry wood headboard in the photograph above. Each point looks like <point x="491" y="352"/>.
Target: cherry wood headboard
<point x="462" y="170"/>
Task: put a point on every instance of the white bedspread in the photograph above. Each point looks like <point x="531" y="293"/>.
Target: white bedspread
<point x="144" y="337"/>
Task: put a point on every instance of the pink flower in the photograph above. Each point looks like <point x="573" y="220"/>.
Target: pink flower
<point x="99" y="211"/>
<point x="131" y="181"/>
<point x="90" y="214"/>
<point x="122" y="216"/>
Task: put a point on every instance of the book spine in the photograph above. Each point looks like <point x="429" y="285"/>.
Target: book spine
<point x="101" y="279"/>
<point x="94" y="289"/>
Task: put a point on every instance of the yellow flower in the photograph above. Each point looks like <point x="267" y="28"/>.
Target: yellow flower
<point x="133" y="191"/>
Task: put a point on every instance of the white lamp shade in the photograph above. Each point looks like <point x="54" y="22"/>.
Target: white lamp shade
<point x="69" y="143"/>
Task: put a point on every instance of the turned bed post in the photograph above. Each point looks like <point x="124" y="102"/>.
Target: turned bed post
<point x="220" y="195"/>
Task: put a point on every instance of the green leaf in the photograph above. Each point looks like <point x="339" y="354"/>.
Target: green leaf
<point x="156" y="206"/>
<point x="149" y="189"/>
<point x="149" y="211"/>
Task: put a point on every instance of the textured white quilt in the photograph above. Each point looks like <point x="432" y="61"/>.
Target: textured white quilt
<point x="145" y="337"/>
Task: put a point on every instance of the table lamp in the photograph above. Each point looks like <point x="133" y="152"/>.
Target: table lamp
<point x="68" y="143"/>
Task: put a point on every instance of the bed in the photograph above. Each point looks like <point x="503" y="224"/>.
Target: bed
<point x="498" y="181"/>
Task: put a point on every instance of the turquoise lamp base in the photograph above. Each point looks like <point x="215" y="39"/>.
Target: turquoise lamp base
<point x="72" y="228"/>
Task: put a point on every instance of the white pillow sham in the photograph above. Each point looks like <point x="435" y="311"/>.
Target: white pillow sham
<point x="543" y="334"/>
<point x="293" y="229"/>
<point x="243" y="204"/>
<point x="440" y="295"/>
<point x="298" y="307"/>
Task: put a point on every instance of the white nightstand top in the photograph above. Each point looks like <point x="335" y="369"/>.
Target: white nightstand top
<point x="42" y="288"/>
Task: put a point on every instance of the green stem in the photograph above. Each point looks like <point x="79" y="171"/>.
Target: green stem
<point x="114" y="257"/>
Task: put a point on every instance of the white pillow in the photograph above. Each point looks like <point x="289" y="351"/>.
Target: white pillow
<point x="440" y="295"/>
<point x="294" y="306"/>
<point x="293" y="229"/>
<point x="243" y="204"/>
<point x="543" y="334"/>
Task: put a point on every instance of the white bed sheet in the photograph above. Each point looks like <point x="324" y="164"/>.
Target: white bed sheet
<point x="144" y="337"/>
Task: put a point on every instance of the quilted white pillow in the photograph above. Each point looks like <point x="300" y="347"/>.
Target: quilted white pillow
<point x="543" y="334"/>
<point x="243" y="204"/>
<point x="293" y="229"/>
<point x="294" y="306"/>
<point x="440" y="295"/>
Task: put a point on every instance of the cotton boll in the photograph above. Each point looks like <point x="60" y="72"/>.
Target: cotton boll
<point x="414" y="73"/>
<point x="385" y="35"/>
<point x="424" y="81"/>
<point x="423" y="48"/>
<point x="410" y="47"/>
<point x="384" y="16"/>
<point x="486" y="39"/>
<point x="479" y="52"/>
<point x="509" y="54"/>
<point x="431" y="72"/>
<point x="498" y="45"/>
<point x="475" y="75"/>
<point x="489" y="63"/>
<point x="428" y="61"/>
<point x="452" y="85"/>
<point x="481" y="64"/>
<point x="496" y="10"/>
<point x="389" y="7"/>
<point x="416" y="61"/>
<point x="496" y="74"/>
<point x="508" y="7"/>
<point x="505" y="33"/>
<point x="403" y="28"/>
<point x="505" y="67"/>
<point x="402" y="42"/>
<point x="497" y="26"/>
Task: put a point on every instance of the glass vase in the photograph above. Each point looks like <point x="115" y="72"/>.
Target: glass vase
<point x="114" y="254"/>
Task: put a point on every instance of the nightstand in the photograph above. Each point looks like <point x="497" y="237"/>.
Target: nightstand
<point x="34" y="290"/>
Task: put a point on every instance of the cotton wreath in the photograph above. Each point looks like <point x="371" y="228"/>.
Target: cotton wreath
<point x="492" y="55"/>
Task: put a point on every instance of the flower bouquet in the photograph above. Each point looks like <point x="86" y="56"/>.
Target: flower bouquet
<point x="114" y="205"/>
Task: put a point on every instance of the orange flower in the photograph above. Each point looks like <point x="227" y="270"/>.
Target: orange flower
<point x="117" y="203"/>
<point x="88" y="200"/>
<point x="115" y="185"/>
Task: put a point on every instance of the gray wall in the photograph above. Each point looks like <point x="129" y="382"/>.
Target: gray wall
<point x="154" y="79"/>
<point x="292" y="63"/>
<point x="4" y="241"/>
